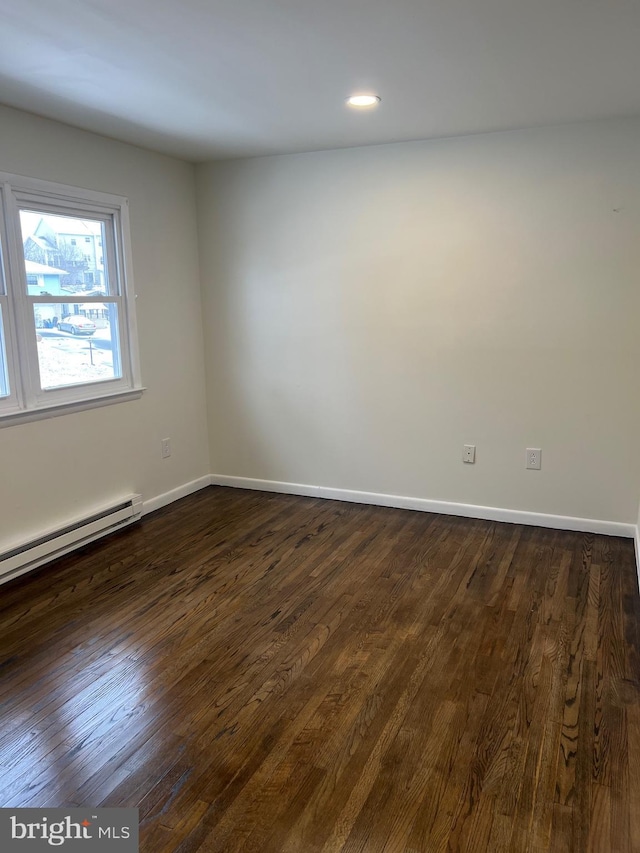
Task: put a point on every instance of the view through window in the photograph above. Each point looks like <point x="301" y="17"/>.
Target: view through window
<point x="77" y="335"/>
<point x="4" y="379"/>
<point x="67" y="325"/>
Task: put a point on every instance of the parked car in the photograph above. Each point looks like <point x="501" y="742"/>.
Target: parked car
<point x="77" y="325"/>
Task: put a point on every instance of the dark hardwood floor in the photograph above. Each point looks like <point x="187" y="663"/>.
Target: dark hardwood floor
<point x="272" y="674"/>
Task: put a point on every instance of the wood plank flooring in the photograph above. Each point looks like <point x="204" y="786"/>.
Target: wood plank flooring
<point x="272" y="674"/>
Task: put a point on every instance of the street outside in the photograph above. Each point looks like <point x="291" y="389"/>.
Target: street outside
<point x="66" y="359"/>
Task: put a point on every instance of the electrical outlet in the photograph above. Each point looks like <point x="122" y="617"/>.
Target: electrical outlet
<point x="534" y="458"/>
<point x="165" y="445"/>
<point x="469" y="453"/>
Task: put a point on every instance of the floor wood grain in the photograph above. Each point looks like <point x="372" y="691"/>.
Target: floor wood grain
<point x="266" y="673"/>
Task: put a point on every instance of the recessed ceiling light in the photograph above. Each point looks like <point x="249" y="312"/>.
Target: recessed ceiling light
<point x="363" y="101"/>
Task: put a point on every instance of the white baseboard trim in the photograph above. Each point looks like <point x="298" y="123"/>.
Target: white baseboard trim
<point x="637" y="541"/>
<point x="266" y="485"/>
<point x="175" y="494"/>
<point x="488" y="513"/>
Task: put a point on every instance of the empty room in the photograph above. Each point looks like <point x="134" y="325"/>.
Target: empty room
<point x="320" y="426"/>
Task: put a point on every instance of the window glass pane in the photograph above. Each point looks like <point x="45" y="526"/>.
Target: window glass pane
<point x="4" y="377"/>
<point x="63" y="254"/>
<point x="77" y="343"/>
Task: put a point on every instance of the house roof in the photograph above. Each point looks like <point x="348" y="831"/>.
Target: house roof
<point x="39" y="242"/>
<point x="68" y="227"/>
<point x="34" y="268"/>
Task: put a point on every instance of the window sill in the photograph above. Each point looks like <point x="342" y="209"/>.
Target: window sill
<point x="27" y="415"/>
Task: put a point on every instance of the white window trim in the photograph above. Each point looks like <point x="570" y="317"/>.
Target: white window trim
<point x="27" y="400"/>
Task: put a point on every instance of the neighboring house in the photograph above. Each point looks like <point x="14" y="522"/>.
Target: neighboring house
<point x="43" y="280"/>
<point x="76" y="244"/>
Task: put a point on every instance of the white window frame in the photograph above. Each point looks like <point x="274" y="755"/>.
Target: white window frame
<point x="27" y="399"/>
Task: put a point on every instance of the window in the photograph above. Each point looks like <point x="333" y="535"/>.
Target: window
<point x="4" y="379"/>
<point x="63" y="346"/>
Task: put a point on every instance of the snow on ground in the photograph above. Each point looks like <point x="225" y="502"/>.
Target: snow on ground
<point x="67" y="361"/>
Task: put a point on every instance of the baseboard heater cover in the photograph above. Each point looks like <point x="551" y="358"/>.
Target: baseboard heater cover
<point x="36" y="552"/>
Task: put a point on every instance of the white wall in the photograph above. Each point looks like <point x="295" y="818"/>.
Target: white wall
<point x="54" y="469"/>
<point x="368" y="311"/>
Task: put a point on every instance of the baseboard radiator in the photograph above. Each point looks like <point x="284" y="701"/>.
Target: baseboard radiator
<point x="30" y="555"/>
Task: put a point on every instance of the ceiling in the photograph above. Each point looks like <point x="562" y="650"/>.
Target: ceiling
<point x="206" y="79"/>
